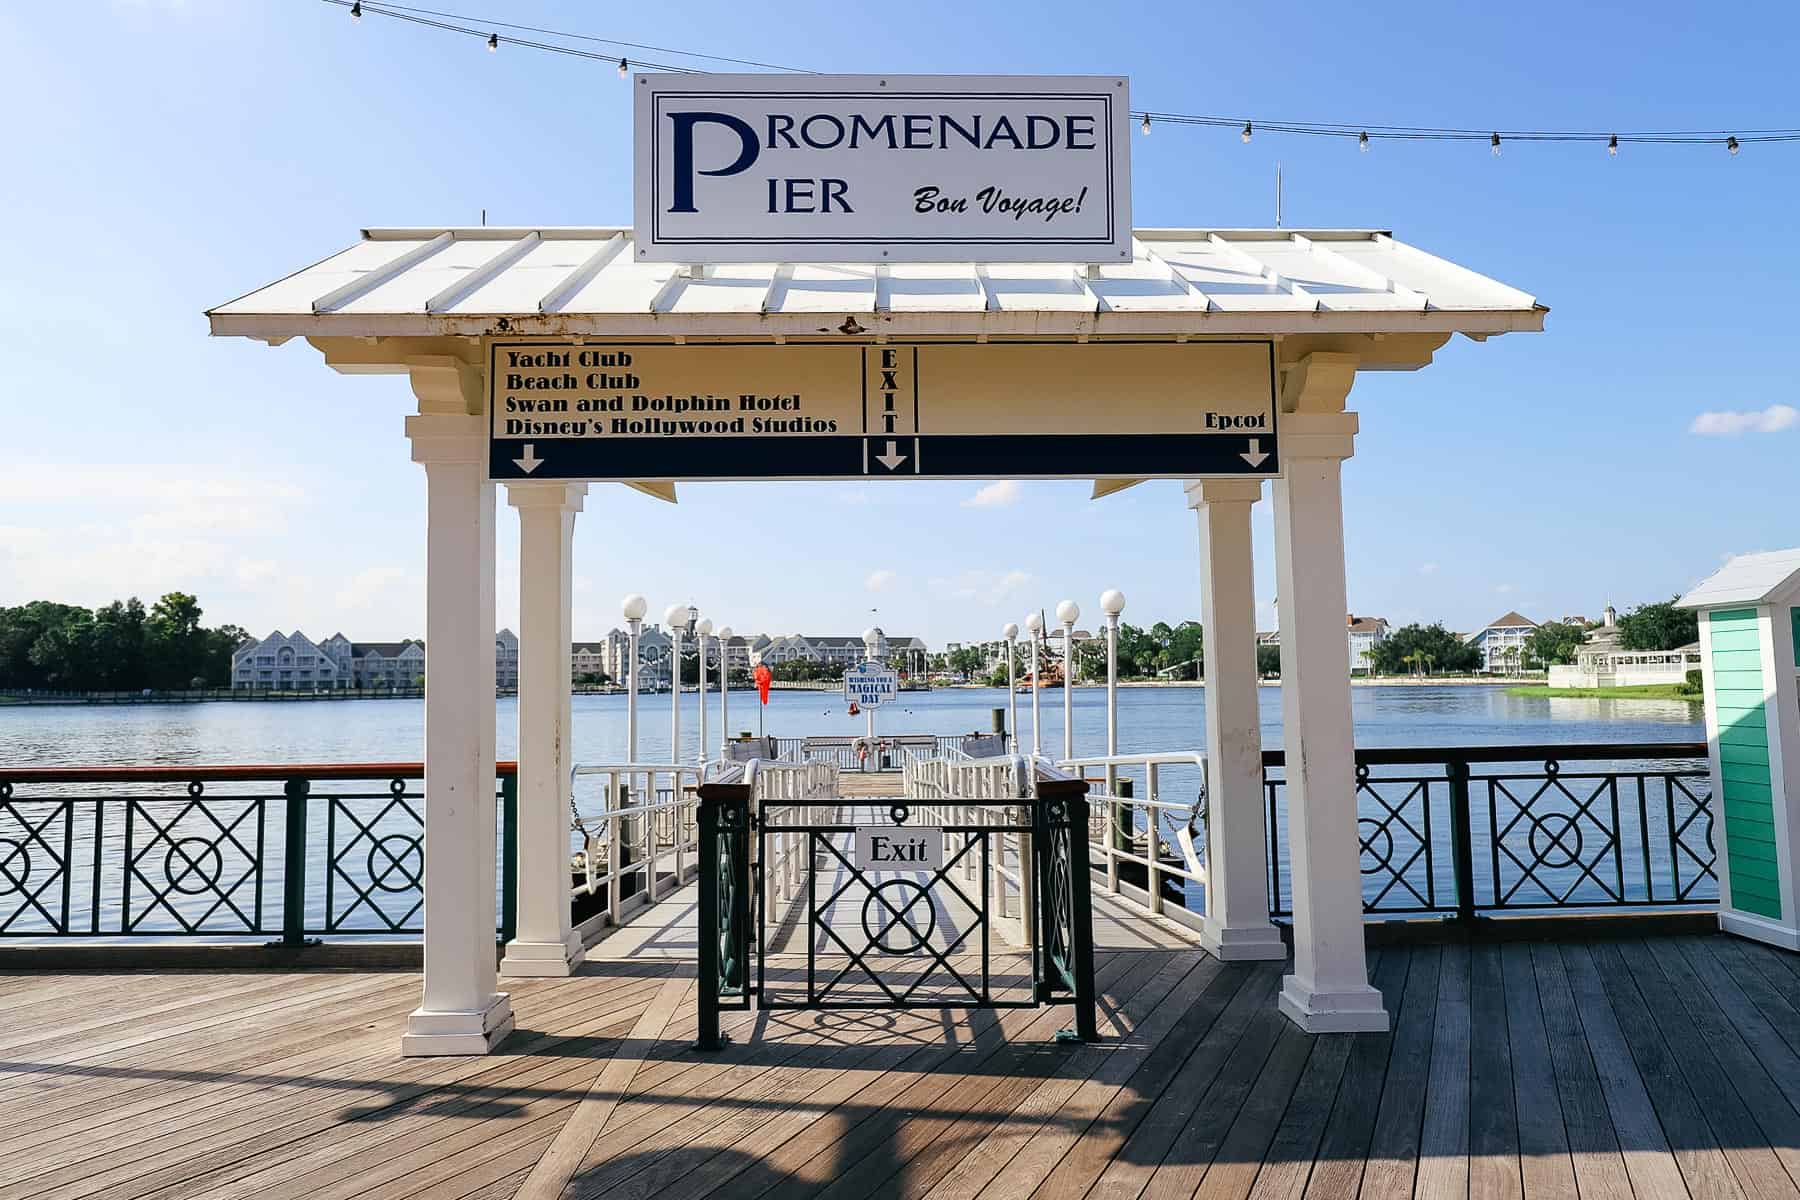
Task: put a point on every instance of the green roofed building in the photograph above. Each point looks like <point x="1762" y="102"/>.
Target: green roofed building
<point x="1750" y="656"/>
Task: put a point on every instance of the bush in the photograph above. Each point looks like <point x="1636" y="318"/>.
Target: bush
<point x="1694" y="685"/>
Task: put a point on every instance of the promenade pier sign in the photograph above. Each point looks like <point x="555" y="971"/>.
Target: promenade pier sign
<point x="1027" y="410"/>
<point x="882" y="168"/>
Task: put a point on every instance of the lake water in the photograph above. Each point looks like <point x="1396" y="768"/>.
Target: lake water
<point x="1150" y="719"/>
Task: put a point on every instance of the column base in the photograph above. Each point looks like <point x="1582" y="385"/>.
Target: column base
<point x="1355" y="1011"/>
<point x="460" y="1033"/>
<point x="1257" y="943"/>
<point x="527" y="959"/>
<point x="1760" y="929"/>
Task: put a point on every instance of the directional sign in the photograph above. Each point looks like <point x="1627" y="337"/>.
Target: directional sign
<point x="1019" y="410"/>
<point x="870" y="686"/>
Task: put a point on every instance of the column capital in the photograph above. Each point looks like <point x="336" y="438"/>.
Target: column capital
<point x="446" y="384"/>
<point x="447" y="438"/>
<point x="1222" y="491"/>
<point x="566" y="497"/>
<point x="1317" y="435"/>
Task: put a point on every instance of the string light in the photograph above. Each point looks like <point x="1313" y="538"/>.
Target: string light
<point x="1494" y="146"/>
<point x="1364" y="135"/>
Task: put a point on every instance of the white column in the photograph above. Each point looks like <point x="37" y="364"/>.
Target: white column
<point x="1237" y="897"/>
<point x="1329" y="990"/>
<point x="546" y="942"/>
<point x="462" y="1012"/>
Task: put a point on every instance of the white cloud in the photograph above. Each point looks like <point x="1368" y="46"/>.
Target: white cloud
<point x="995" y="495"/>
<point x="1506" y="588"/>
<point x="879" y="580"/>
<point x="1428" y="568"/>
<point x="989" y="588"/>
<point x="376" y="587"/>
<point x="1772" y="419"/>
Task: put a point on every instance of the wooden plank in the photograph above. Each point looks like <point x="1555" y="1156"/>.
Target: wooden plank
<point x="1288" y="1161"/>
<point x="1493" y="1125"/>
<point x="1681" y="1051"/>
<point x="1779" y="1005"/>
<point x="1234" y="1168"/>
<point x="1394" y="1144"/>
<point x="1337" y="1170"/>
<point x="1130" y="1146"/>
<point x="1764" y="1040"/>
<point x="1035" y="1168"/>
<point x="1655" y="1175"/>
<point x="1183" y="982"/>
<point x="1594" y="1152"/>
<point x="1444" y="1136"/>
<point x="280" y="1131"/>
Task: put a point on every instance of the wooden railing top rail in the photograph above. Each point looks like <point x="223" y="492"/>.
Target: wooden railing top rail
<point x="224" y="772"/>
<point x="1571" y="752"/>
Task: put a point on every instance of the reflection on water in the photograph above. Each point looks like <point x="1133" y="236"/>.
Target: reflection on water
<point x="1161" y="718"/>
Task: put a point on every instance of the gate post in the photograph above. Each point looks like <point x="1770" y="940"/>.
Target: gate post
<point x="1073" y="942"/>
<point x="724" y="820"/>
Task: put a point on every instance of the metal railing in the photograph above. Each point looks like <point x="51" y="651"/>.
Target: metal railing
<point x="293" y="852"/>
<point x="646" y="816"/>
<point x="853" y="752"/>
<point x="1461" y="831"/>
<point x="1455" y="832"/>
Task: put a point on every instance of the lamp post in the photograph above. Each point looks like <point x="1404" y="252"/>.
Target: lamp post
<point x="702" y="630"/>
<point x="1011" y="633"/>
<point x="634" y="607"/>
<point x="1068" y="612"/>
<point x="1035" y="623"/>
<point x="724" y="688"/>
<point x="679" y="618"/>
<point x="871" y="648"/>
<point x="1112" y="603"/>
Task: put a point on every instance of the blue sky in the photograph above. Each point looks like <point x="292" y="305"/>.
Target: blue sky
<point x="166" y="156"/>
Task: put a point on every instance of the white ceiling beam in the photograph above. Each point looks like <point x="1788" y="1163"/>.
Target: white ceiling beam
<point x="1178" y="279"/>
<point x="582" y="275"/>
<point x="1414" y="299"/>
<point x="779" y="276"/>
<point x="458" y="291"/>
<point x="677" y="278"/>
<point x="371" y="279"/>
<point x="1245" y="258"/>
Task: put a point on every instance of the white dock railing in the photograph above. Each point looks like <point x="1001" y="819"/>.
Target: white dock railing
<point x="798" y="785"/>
<point x="1122" y="829"/>
<point x="649" y="813"/>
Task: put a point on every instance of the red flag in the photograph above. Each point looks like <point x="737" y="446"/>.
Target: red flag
<point x="763" y="675"/>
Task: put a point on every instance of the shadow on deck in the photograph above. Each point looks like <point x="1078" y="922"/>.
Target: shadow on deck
<point x="1654" y="1067"/>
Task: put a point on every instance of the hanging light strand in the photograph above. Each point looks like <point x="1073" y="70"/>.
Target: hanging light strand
<point x="1362" y="134"/>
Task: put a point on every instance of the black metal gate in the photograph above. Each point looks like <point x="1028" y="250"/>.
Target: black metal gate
<point x="901" y="938"/>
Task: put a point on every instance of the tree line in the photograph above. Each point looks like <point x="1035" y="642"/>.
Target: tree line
<point x="120" y="647"/>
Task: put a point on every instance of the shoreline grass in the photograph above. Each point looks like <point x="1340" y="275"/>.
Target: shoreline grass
<point x="1639" y="691"/>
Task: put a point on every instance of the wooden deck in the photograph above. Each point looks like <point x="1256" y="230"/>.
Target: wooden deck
<point x="1650" y="1068"/>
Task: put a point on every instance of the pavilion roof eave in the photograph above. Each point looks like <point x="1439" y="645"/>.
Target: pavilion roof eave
<point x="1052" y="325"/>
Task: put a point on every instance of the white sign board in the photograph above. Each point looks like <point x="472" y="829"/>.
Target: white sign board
<point x="869" y="686"/>
<point x="883" y="169"/>
<point x="899" y="848"/>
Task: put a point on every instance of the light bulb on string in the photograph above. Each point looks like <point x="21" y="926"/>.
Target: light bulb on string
<point x="1612" y="145"/>
<point x="624" y="68"/>
<point x="1146" y="125"/>
<point x="356" y="11"/>
<point x="1245" y="136"/>
<point x="1494" y="145"/>
<point x="1362" y="141"/>
<point x="493" y="42"/>
<point x="1731" y="144"/>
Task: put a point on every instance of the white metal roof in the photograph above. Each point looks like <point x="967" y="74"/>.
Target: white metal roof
<point x="1748" y="579"/>
<point x="1180" y="282"/>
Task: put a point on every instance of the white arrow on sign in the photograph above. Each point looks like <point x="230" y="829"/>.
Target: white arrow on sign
<point x="891" y="460"/>
<point x="531" y="461"/>
<point x="1254" y="456"/>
